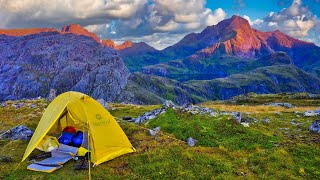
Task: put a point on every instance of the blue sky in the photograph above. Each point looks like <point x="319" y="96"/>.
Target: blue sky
<point x="257" y="9"/>
<point x="162" y="23"/>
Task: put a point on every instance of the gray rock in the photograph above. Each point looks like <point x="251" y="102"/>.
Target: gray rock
<point x="33" y="106"/>
<point x="312" y="113"/>
<point x="52" y="95"/>
<point x="32" y="65"/>
<point x="149" y="115"/>
<point x="17" y="133"/>
<point x="283" y="104"/>
<point x="191" y="142"/>
<point x="168" y="104"/>
<point x="103" y="103"/>
<point x="315" y="126"/>
<point x="267" y="120"/>
<point x="153" y="132"/>
<point x="235" y="115"/>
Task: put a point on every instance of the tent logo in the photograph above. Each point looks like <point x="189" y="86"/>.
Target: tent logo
<point x="101" y="121"/>
<point x="98" y="116"/>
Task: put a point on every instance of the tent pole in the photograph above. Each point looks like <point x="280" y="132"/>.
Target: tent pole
<point x="89" y="155"/>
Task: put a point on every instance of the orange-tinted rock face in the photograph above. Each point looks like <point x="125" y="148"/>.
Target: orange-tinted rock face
<point x="79" y="30"/>
<point x="109" y="43"/>
<point x="236" y="37"/>
<point x="74" y="29"/>
<point x="24" y="32"/>
<point x="124" y="45"/>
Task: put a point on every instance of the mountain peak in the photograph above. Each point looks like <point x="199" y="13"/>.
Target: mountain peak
<point x="24" y="32"/>
<point x="236" y="23"/>
<point x="79" y="30"/>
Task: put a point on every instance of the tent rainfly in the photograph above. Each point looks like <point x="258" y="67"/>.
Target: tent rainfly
<point x="105" y="138"/>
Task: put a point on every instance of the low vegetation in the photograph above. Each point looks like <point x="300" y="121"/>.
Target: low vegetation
<point x="276" y="145"/>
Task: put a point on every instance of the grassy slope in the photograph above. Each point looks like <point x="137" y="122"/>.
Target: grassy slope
<point x="226" y="150"/>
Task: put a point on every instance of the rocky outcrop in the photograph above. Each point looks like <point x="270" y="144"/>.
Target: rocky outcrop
<point x="25" y="32"/>
<point x="17" y="133"/>
<point x="79" y="30"/>
<point x="32" y="65"/>
<point x="315" y="126"/>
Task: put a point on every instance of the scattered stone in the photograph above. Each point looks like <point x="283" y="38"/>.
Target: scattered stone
<point x="279" y="113"/>
<point x="235" y="115"/>
<point x="283" y="129"/>
<point x="18" y="105"/>
<point x="286" y="105"/>
<point x="103" y="103"/>
<point x="168" y="104"/>
<point x="315" y="126"/>
<point x="245" y="124"/>
<point x="153" y="132"/>
<point x="33" y="106"/>
<point x="52" y="95"/>
<point x="312" y="113"/>
<point x="149" y="115"/>
<point x="312" y="95"/>
<point x="267" y="120"/>
<point x="6" y="159"/>
<point x="126" y="118"/>
<point x="17" y="133"/>
<point x="191" y="142"/>
<point x="198" y="110"/>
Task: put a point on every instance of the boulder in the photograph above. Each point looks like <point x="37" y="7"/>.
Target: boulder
<point x="52" y="95"/>
<point x="282" y="104"/>
<point x="153" y="132"/>
<point x="17" y="133"/>
<point x="191" y="142"/>
<point x="168" y="104"/>
<point x="149" y="115"/>
<point x="312" y="113"/>
<point x="315" y="126"/>
<point x="103" y="103"/>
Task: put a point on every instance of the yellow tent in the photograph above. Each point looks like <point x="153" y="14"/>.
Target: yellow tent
<point x="106" y="138"/>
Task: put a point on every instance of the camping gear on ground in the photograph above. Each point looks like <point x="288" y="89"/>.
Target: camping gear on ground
<point x="66" y="138"/>
<point x="83" y="113"/>
<point x="70" y="129"/>
<point x="58" y="157"/>
<point x="77" y="139"/>
<point x="82" y="151"/>
<point x="83" y="161"/>
<point x="48" y="143"/>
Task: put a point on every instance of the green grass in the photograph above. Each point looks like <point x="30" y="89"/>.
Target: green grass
<point x="226" y="149"/>
<point x="213" y="132"/>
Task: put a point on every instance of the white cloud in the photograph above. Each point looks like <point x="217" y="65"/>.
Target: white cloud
<point x="116" y="19"/>
<point x="255" y="22"/>
<point x="56" y="13"/>
<point x="295" y="20"/>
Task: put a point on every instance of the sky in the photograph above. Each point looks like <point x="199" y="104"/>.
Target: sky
<point x="161" y="23"/>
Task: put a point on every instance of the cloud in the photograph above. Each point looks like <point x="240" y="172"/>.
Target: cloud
<point x="255" y="22"/>
<point x="296" y="20"/>
<point x="116" y="19"/>
<point x="57" y="13"/>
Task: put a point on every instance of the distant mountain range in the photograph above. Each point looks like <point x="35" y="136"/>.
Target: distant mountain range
<point x="222" y="61"/>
